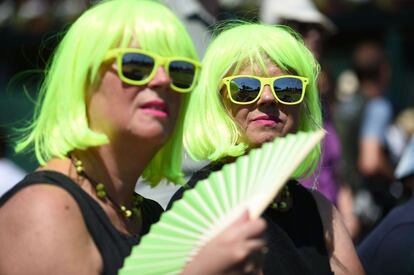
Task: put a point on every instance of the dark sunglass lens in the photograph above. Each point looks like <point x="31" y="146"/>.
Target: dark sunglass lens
<point x="182" y="74"/>
<point x="137" y="66"/>
<point x="244" y="89"/>
<point x="288" y="89"/>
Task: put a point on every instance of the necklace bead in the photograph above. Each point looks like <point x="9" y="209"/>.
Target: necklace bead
<point x="282" y="202"/>
<point x="103" y="195"/>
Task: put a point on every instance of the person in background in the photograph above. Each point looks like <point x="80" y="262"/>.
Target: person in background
<point x="399" y="134"/>
<point x="111" y="109"/>
<point x="303" y="17"/>
<point x="389" y="248"/>
<point x="347" y="115"/>
<point x="372" y="197"/>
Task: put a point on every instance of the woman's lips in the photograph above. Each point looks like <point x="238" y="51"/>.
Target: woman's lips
<point x="155" y="108"/>
<point x="267" y="120"/>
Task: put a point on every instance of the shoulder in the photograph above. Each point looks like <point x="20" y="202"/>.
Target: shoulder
<point x="388" y="249"/>
<point x="393" y="231"/>
<point x="343" y="257"/>
<point x="378" y="107"/>
<point x="402" y="214"/>
<point x="380" y="103"/>
<point x="42" y="199"/>
<point x="43" y="220"/>
<point x="327" y="213"/>
<point x="331" y="219"/>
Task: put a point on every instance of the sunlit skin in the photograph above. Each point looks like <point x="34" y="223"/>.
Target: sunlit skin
<point x="147" y="112"/>
<point x="265" y="119"/>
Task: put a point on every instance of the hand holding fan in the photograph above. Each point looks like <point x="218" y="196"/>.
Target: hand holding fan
<point x="251" y="182"/>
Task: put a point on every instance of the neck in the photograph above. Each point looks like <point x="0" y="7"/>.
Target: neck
<point x="117" y="167"/>
<point x="371" y="89"/>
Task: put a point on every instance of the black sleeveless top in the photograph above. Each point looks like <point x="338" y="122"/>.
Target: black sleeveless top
<point x="113" y="245"/>
<point x="295" y="238"/>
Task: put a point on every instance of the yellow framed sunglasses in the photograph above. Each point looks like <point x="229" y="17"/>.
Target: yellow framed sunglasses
<point x="138" y="67"/>
<point x="246" y="89"/>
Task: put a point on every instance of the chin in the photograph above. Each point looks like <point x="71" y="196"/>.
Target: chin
<point x="152" y="135"/>
<point x="259" y="140"/>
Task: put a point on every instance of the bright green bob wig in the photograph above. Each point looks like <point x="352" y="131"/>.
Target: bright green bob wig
<point x="60" y="123"/>
<point x="210" y="132"/>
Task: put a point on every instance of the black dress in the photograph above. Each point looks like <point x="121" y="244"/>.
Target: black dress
<point x="295" y="238"/>
<point x="113" y="245"/>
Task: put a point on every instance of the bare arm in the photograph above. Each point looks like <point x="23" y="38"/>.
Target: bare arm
<point x="44" y="233"/>
<point x="342" y="254"/>
<point x="346" y="208"/>
<point x="372" y="160"/>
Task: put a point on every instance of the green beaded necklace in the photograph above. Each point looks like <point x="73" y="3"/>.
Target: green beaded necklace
<point x="282" y="202"/>
<point x="103" y="195"/>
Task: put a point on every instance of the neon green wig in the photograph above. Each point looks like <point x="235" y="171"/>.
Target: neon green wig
<point x="210" y="131"/>
<point x="60" y="123"/>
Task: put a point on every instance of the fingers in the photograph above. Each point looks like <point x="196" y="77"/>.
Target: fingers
<point x="245" y="228"/>
<point x="248" y="231"/>
<point x="244" y="217"/>
<point x="253" y="229"/>
<point x="245" y="236"/>
<point x="240" y="249"/>
<point x="248" y="253"/>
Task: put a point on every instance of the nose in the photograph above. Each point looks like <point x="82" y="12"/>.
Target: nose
<point x="161" y="79"/>
<point x="267" y="96"/>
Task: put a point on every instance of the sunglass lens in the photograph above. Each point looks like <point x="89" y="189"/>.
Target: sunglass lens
<point x="244" y="89"/>
<point x="136" y="66"/>
<point x="288" y="89"/>
<point x="182" y="74"/>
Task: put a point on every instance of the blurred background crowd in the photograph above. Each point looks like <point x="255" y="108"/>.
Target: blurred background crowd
<point x="365" y="48"/>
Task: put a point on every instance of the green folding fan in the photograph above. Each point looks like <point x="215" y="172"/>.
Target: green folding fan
<point x="251" y="182"/>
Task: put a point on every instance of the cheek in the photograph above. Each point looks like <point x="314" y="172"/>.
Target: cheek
<point x="110" y="103"/>
<point x="176" y="104"/>
<point x="241" y="117"/>
<point x="239" y="113"/>
<point x="293" y="118"/>
<point x="99" y="113"/>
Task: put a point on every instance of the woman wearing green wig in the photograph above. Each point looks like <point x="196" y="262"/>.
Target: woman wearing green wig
<point x="259" y="83"/>
<point x="111" y="109"/>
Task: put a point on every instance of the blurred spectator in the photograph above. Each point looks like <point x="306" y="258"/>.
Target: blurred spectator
<point x="33" y="16"/>
<point x="68" y="10"/>
<point x="7" y="8"/>
<point x="10" y="173"/>
<point x="347" y="116"/>
<point x="373" y="71"/>
<point x="399" y="133"/>
<point x="365" y="117"/>
<point x="198" y="17"/>
<point x="304" y="17"/>
<point x="389" y="248"/>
